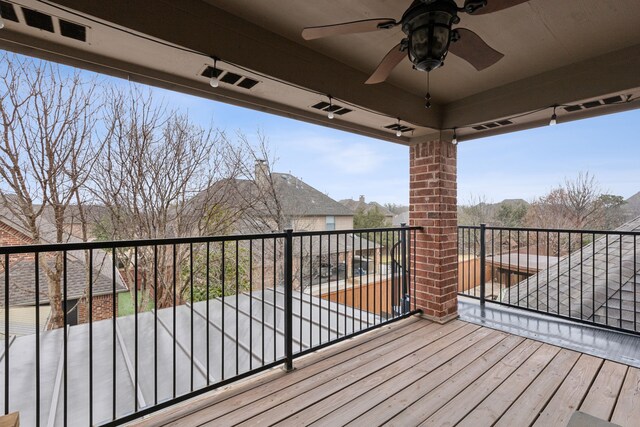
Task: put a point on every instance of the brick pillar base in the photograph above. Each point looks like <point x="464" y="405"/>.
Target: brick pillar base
<point x="433" y="206"/>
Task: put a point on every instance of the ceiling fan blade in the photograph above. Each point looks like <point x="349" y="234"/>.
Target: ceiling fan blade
<point x="311" y="33"/>
<point x="496" y="5"/>
<point x="474" y="50"/>
<point x="386" y="66"/>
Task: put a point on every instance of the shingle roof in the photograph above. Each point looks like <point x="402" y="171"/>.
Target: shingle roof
<point x="600" y="281"/>
<point x="22" y="273"/>
<point x="298" y="198"/>
<point x="22" y="279"/>
<point x="354" y="205"/>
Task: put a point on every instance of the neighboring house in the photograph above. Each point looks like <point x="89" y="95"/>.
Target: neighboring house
<point x="361" y="205"/>
<point x="598" y="281"/>
<point x="303" y="207"/>
<point x="23" y="285"/>
<point x="275" y="201"/>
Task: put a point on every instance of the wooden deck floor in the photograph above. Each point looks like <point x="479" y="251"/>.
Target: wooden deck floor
<point x="415" y="372"/>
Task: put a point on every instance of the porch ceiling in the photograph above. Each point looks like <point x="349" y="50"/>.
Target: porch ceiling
<point x="556" y="52"/>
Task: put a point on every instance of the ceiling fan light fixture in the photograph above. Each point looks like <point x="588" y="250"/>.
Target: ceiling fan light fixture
<point x="428" y="27"/>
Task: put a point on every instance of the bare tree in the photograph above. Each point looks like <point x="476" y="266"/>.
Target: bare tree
<point x="579" y="203"/>
<point x="47" y="151"/>
<point x="162" y="176"/>
<point x="477" y="211"/>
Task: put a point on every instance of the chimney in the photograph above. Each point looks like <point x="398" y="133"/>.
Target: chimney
<point x="261" y="172"/>
<point x="361" y="199"/>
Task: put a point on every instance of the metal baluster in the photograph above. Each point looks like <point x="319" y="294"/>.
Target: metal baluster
<point x="263" y="297"/>
<point x="135" y="321"/>
<point x="569" y="276"/>
<point x="310" y="291"/>
<point x="288" y="297"/>
<point x="237" y="307"/>
<point x="483" y="257"/>
<point x="155" y="324"/>
<point x="207" y="284"/>
<point x="250" y="304"/>
<point x="222" y="280"/>
<point x="620" y="285"/>
<point x="37" y="289"/>
<point x="173" y="309"/>
<point x="191" y="310"/>
<point x="345" y="283"/>
<point x="328" y="287"/>
<point x="6" y="334"/>
<point x="275" y="298"/>
<point x="90" y="337"/>
<point x="300" y="292"/>
<point x="606" y="280"/>
<point x="113" y="335"/>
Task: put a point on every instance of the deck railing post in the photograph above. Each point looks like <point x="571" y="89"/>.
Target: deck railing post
<point x="404" y="270"/>
<point x="288" y="297"/>
<point x="483" y="257"/>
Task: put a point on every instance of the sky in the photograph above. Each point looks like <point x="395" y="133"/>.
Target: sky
<point x="524" y="164"/>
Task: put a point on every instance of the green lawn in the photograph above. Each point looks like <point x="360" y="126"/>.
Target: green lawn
<point x="125" y="303"/>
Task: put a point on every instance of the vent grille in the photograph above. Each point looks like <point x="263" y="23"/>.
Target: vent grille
<point x="571" y="108"/>
<point x="43" y="21"/>
<point x="247" y="83"/>
<point x="229" y="78"/>
<point x="401" y="128"/>
<point x="73" y="31"/>
<point x="337" y="109"/>
<point x="593" y="104"/>
<point x="493" y="125"/>
<point x="8" y="12"/>
<point x="38" y="19"/>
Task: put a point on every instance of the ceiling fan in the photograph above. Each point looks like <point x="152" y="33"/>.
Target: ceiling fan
<point x="429" y="37"/>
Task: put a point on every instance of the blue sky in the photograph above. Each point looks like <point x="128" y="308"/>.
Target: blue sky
<point x="524" y="164"/>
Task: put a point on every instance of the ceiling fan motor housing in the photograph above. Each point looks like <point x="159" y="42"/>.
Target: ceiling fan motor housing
<point x="428" y="27"/>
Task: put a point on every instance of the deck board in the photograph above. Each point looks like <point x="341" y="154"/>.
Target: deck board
<point x="415" y="372"/>
<point x="334" y="376"/>
<point x="526" y="408"/>
<point x="603" y="394"/>
<point x="627" y="410"/>
<point x="498" y="401"/>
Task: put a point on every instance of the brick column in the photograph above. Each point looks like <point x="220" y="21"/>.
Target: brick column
<point x="433" y="206"/>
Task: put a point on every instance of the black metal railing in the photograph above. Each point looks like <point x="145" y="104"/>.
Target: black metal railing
<point x="589" y="276"/>
<point x="105" y="332"/>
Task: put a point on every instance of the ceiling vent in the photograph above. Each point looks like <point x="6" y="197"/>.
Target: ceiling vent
<point x="399" y="127"/>
<point x="247" y="83"/>
<point x="73" y="31"/>
<point x="8" y="12"/>
<point x="598" y="103"/>
<point x="37" y="19"/>
<point x="337" y="109"/>
<point x="493" y="125"/>
<point x="230" y="78"/>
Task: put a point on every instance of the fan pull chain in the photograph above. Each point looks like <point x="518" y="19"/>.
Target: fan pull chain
<point x="428" y="96"/>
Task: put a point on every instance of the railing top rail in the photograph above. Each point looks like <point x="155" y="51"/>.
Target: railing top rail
<point x="355" y="230"/>
<point x="555" y="230"/>
<point x="57" y="247"/>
